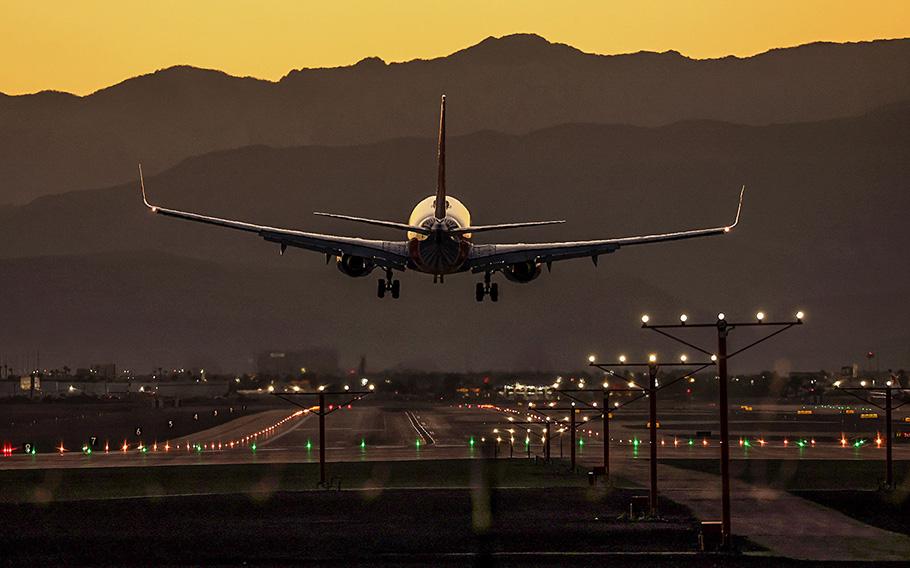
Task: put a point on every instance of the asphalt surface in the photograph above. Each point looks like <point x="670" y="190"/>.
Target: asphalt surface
<point x="375" y="432"/>
<point x="365" y="431"/>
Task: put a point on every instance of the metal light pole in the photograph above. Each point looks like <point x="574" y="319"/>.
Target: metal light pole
<point x="322" y="413"/>
<point x="572" y="437"/>
<point x="723" y="328"/>
<point x="889" y="407"/>
<point x="651" y="392"/>
<point x="606" y="432"/>
<point x="322" y="408"/>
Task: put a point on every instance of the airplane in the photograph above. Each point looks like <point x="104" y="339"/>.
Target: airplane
<point x="439" y="240"/>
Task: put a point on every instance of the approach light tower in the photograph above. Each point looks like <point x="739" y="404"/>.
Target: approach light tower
<point x="723" y="328"/>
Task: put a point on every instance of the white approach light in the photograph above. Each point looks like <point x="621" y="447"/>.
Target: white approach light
<point x="799" y="315"/>
<point x="721" y="316"/>
<point x="652" y="358"/>
<point x="622" y="358"/>
<point x="760" y="316"/>
<point x="683" y="358"/>
<point x="645" y="318"/>
<point x="683" y="318"/>
<point x="714" y="357"/>
<point x="591" y="358"/>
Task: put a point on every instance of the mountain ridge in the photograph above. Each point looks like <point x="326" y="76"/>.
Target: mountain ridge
<point x="55" y="142"/>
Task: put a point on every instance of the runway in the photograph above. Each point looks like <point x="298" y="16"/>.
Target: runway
<point x="368" y="431"/>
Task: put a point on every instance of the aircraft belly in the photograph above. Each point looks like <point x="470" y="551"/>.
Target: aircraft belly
<point x="445" y="256"/>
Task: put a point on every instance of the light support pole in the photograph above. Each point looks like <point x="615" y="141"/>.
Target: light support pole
<point x="723" y="328"/>
<point x="888" y="390"/>
<point x="605" y="414"/>
<point x="651" y="392"/>
<point x="573" y="426"/>
<point x="322" y="412"/>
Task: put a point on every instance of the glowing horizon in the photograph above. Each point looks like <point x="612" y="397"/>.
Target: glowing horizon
<point x="85" y="46"/>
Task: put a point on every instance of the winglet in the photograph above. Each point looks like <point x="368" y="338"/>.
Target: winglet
<point x="739" y="210"/>
<point x="145" y="200"/>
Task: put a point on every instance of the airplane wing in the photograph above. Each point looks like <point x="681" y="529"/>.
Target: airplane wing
<point x="493" y="257"/>
<point x="388" y="254"/>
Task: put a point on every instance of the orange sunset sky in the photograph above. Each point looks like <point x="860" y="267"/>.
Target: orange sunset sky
<point x="82" y="46"/>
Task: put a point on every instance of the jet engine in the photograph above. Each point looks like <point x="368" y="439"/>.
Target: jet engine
<point x="355" y="266"/>
<point x="522" y="272"/>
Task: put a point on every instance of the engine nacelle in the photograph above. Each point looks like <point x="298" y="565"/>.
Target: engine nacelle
<point x="355" y="266"/>
<point x="522" y="272"/>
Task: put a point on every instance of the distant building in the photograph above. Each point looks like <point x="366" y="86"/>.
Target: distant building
<point x="106" y="371"/>
<point x="279" y="363"/>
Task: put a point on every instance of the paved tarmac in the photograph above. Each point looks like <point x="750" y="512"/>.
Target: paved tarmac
<point x="785" y="524"/>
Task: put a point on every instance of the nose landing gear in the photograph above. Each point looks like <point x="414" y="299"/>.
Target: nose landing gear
<point x="486" y="288"/>
<point x="388" y="284"/>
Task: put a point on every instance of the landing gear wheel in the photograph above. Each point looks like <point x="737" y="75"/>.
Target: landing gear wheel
<point x="479" y="292"/>
<point x="396" y="288"/>
<point x="380" y="289"/>
<point x="494" y="291"/>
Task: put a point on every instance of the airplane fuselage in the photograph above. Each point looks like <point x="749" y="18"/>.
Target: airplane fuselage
<point x="440" y="252"/>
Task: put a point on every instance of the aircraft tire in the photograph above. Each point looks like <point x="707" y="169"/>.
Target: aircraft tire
<point x="380" y="289"/>
<point x="396" y="288"/>
<point x="494" y="291"/>
<point x="479" y="292"/>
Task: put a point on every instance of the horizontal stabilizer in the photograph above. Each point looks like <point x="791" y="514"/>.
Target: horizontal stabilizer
<point x="483" y="228"/>
<point x="378" y="222"/>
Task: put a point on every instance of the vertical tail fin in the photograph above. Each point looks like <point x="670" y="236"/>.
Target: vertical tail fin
<point x="441" y="163"/>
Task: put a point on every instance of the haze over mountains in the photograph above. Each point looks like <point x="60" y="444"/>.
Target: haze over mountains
<point x="91" y="275"/>
<point x="55" y="142"/>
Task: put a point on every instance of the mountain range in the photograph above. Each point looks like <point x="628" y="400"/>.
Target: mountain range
<point x="55" y="142"/>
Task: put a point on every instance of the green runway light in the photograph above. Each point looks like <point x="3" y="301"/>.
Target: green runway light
<point x="801" y="443"/>
<point x="363" y="443"/>
<point x="253" y="447"/>
<point x="691" y="442"/>
<point x="309" y="445"/>
<point x="471" y="441"/>
<point x="636" y="442"/>
<point x="581" y="442"/>
<point x="417" y="442"/>
<point x="747" y="443"/>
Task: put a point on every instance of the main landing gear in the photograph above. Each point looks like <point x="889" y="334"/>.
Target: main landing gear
<point x="486" y="288"/>
<point x="387" y="283"/>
